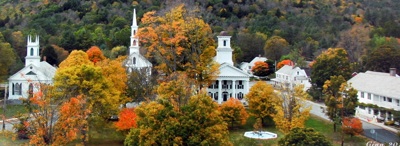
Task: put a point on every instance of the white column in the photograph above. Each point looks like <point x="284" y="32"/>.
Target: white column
<point x="219" y="91"/>
<point x="246" y="86"/>
<point x="234" y="89"/>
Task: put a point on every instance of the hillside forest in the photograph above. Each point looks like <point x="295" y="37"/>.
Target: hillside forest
<point x="279" y="29"/>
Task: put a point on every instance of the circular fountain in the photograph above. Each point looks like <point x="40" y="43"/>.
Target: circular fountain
<point x="260" y="135"/>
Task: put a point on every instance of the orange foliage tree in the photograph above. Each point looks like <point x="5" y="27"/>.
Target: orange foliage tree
<point x="260" y="68"/>
<point x="352" y="126"/>
<point x="283" y="63"/>
<point x="95" y="55"/>
<point x="127" y="119"/>
<point x="233" y="112"/>
<point x="72" y="121"/>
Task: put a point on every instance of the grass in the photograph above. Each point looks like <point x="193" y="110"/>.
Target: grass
<point x="13" y="110"/>
<point x="326" y="128"/>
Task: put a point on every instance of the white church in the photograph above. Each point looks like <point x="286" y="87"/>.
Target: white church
<point x="35" y="71"/>
<point x="135" y="60"/>
<point x="232" y="82"/>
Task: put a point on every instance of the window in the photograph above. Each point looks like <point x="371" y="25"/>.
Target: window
<point x="398" y="102"/>
<point x="216" y="96"/>
<point x="30" y="91"/>
<point x="389" y="99"/>
<point x="134" y="43"/>
<point x="297" y="72"/>
<point x="134" y="32"/>
<point x="240" y="95"/>
<point x="216" y="85"/>
<point x="384" y="98"/>
<point x="224" y="42"/>
<point x="369" y="95"/>
<point x="17" y="89"/>
<point x="369" y="110"/>
<point x="210" y="94"/>
<point x="134" y="60"/>
<point x="31" y="51"/>
<point x="287" y="78"/>
<point x="362" y="94"/>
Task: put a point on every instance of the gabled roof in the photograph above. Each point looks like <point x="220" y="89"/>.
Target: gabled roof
<point x="227" y="70"/>
<point x="377" y="83"/>
<point x="263" y="59"/>
<point x="43" y="72"/>
<point x="287" y="70"/>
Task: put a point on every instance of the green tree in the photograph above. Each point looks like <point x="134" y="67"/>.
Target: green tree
<point x="332" y="62"/>
<point x="275" y="47"/>
<point x="261" y="99"/>
<point x="341" y="99"/>
<point x="304" y="137"/>
<point x="7" y="58"/>
<point x="382" y="59"/>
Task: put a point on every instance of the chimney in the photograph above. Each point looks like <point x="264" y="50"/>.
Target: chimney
<point x="393" y="72"/>
<point x="44" y="58"/>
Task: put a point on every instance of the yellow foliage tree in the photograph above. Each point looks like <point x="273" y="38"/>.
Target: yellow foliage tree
<point x="178" y="89"/>
<point x="262" y="99"/>
<point x="76" y="58"/>
<point x="180" y="42"/>
<point x="233" y="112"/>
<point x="290" y="110"/>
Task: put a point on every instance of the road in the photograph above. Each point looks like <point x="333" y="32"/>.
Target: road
<point x="9" y="124"/>
<point x="379" y="134"/>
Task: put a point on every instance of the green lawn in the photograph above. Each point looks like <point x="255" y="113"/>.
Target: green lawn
<point x="326" y="128"/>
<point x="13" y="110"/>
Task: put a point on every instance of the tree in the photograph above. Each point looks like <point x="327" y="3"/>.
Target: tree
<point x="332" y="62"/>
<point x="261" y="99"/>
<point x="177" y="89"/>
<point x="355" y="41"/>
<point x="260" y="68"/>
<point x="61" y="53"/>
<point x="115" y="73"/>
<point x="250" y="44"/>
<point x="141" y="86"/>
<point x="180" y="42"/>
<point x="340" y="99"/>
<point x="196" y="123"/>
<point x="95" y="55"/>
<point x="233" y="112"/>
<point x="7" y="58"/>
<point x="275" y="47"/>
<point x="352" y="126"/>
<point x="76" y="58"/>
<point x="283" y="63"/>
<point x="290" y="110"/>
<point x="126" y="119"/>
<point x="382" y="59"/>
<point x="304" y="137"/>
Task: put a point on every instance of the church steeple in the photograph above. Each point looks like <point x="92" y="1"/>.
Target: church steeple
<point x="32" y="51"/>
<point x="134" y="47"/>
<point x="224" y="50"/>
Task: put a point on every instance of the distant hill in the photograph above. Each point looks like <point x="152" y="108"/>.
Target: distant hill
<point x="309" y="25"/>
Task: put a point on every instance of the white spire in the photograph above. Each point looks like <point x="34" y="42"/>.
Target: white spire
<point x="134" y="23"/>
<point x="224" y="50"/>
<point x="134" y="47"/>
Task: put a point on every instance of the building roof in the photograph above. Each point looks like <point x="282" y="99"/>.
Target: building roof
<point x="259" y="58"/>
<point x="227" y="70"/>
<point x="42" y="72"/>
<point x="377" y="83"/>
<point x="287" y="70"/>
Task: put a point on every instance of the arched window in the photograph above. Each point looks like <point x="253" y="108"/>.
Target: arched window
<point x="224" y="42"/>
<point x="30" y="91"/>
<point x="134" y="43"/>
<point x="240" y="96"/>
<point x="134" y="32"/>
<point x="31" y="52"/>
<point x="134" y="60"/>
<point x="17" y="89"/>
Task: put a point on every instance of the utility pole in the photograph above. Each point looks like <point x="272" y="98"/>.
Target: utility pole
<point x="4" y="107"/>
